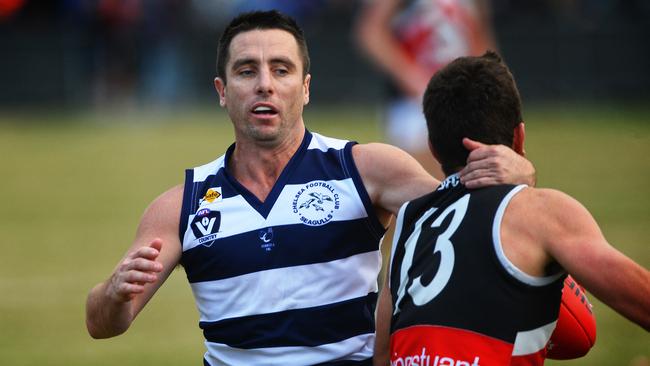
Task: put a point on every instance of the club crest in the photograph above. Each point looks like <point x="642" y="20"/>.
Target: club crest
<point x="316" y="203"/>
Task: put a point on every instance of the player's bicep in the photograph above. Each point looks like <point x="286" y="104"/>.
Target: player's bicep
<point x="572" y="237"/>
<point x="577" y="243"/>
<point x="391" y="176"/>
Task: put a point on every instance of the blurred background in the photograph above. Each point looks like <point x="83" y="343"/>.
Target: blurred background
<point x="103" y="103"/>
<point x="161" y="53"/>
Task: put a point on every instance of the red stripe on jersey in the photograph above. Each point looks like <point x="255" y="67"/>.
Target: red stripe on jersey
<point x="429" y="345"/>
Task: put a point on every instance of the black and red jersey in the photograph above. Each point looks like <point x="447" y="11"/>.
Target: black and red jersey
<point x="457" y="299"/>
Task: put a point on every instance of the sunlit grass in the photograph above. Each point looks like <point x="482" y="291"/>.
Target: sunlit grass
<point x="75" y="184"/>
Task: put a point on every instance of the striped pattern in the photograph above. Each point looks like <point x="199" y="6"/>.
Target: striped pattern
<point x="291" y="280"/>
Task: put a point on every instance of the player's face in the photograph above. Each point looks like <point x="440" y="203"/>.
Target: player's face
<point x="265" y="91"/>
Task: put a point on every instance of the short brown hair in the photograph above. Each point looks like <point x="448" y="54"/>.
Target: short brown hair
<point x="473" y="97"/>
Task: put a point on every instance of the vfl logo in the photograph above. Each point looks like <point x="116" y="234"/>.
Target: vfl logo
<point x="316" y="203"/>
<point x="205" y="226"/>
<point x="266" y="235"/>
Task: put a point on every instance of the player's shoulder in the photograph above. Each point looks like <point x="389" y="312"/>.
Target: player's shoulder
<point x="380" y="158"/>
<point x="173" y="195"/>
<point x="546" y="198"/>
<point x="550" y="209"/>
<point x="376" y="149"/>
<point x="161" y="218"/>
<point x="166" y="205"/>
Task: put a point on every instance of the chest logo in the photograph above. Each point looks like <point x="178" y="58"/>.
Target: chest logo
<point x="266" y="237"/>
<point x="211" y="195"/>
<point x="205" y="226"/>
<point x="316" y="203"/>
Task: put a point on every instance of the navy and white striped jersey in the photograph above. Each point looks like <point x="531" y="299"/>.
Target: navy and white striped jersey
<point x="287" y="281"/>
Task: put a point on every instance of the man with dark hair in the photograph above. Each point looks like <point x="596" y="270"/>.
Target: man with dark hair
<point x="452" y="104"/>
<point x="279" y="237"/>
<point x="476" y="275"/>
<point x="261" y="20"/>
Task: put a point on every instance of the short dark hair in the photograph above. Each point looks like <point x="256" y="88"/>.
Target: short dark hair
<point x="261" y="20"/>
<point x="473" y="97"/>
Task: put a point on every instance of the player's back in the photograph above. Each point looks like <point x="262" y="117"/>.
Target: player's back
<point x="457" y="299"/>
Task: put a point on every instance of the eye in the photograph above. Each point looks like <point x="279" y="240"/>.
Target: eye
<point x="281" y="71"/>
<point x="246" y="72"/>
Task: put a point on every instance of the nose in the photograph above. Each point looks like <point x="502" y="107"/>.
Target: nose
<point x="265" y="82"/>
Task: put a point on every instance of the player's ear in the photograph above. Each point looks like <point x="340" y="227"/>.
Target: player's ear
<point x="518" y="139"/>
<point x="305" y="86"/>
<point x="220" y="86"/>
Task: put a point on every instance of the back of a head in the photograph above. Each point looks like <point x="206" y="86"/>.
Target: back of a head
<point x="473" y="97"/>
<point x="260" y="20"/>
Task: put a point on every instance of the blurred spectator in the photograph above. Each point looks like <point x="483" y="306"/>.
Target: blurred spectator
<point x="165" y="73"/>
<point x="116" y="52"/>
<point x="9" y="8"/>
<point x="410" y="40"/>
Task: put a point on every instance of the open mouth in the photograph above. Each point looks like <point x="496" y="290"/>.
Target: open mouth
<point x="264" y="111"/>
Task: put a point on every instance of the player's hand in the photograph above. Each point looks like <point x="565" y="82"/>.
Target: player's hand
<point x="495" y="164"/>
<point x="137" y="269"/>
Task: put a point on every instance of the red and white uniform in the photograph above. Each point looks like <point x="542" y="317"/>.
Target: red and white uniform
<point x="435" y="32"/>
<point x="431" y="33"/>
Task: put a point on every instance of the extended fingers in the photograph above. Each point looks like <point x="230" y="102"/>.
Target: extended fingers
<point x="139" y="277"/>
<point x="127" y="291"/>
<point x="141" y="264"/>
<point x="145" y="252"/>
<point x="483" y="172"/>
<point x="479" y="178"/>
<point x="485" y="152"/>
<point x="131" y="277"/>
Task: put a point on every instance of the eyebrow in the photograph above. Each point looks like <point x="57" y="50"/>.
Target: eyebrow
<point x="252" y="61"/>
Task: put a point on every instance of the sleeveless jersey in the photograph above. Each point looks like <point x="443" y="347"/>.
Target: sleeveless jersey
<point x="291" y="280"/>
<point x="457" y="299"/>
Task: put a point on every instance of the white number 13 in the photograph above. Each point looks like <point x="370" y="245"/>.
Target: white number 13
<point x="423" y="294"/>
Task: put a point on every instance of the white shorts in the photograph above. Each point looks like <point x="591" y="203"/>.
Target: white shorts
<point x="406" y="127"/>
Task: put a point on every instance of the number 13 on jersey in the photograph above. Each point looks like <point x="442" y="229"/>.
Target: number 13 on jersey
<point x="420" y="293"/>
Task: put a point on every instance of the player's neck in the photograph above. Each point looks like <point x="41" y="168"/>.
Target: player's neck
<point x="258" y="167"/>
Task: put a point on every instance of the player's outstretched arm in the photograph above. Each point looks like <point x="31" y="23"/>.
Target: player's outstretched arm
<point x="112" y="305"/>
<point x="572" y="237"/>
<point x="391" y="176"/>
<point x="495" y="164"/>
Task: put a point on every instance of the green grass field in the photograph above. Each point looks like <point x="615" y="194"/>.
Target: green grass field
<point x="74" y="186"/>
